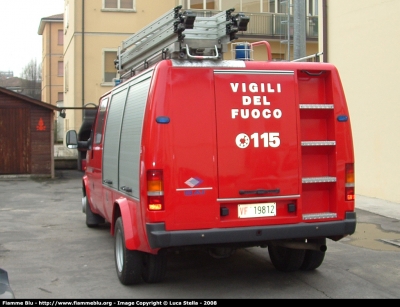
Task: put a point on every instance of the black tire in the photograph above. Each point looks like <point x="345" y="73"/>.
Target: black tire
<point x="92" y="219"/>
<point x="313" y="258"/>
<point x="286" y="259"/>
<point x="154" y="267"/>
<point x="128" y="263"/>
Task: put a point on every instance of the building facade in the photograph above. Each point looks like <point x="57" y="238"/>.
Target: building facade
<point x="370" y="70"/>
<point x="51" y="29"/>
<point x="93" y="31"/>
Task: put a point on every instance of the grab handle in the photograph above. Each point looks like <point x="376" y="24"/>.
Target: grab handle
<point x="202" y="57"/>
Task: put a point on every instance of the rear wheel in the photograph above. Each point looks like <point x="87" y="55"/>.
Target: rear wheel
<point x="313" y="258"/>
<point x="286" y="259"/>
<point x="128" y="263"/>
<point x="154" y="266"/>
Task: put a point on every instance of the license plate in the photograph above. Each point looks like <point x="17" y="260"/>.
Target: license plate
<point x="256" y="210"/>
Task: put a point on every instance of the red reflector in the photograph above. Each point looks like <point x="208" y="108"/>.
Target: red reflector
<point x="155" y="203"/>
<point x="349" y="192"/>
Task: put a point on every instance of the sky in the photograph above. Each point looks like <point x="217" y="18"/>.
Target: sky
<point x="19" y="38"/>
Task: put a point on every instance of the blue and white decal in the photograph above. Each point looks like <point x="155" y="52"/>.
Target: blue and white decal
<point x="193" y="189"/>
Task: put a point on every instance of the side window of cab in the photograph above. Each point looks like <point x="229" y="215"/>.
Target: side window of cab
<point x="98" y="132"/>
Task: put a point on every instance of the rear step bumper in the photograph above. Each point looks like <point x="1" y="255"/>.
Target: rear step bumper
<point x="160" y="238"/>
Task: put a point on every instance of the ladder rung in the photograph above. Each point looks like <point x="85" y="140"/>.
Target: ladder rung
<point x="141" y="52"/>
<point x="220" y="17"/>
<point x="318" y="143"/>
<point x="316" y="106"/>
<point x="318" y="179"/>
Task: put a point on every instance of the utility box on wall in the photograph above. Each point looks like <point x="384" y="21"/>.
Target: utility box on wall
<point x="26" y="135"/>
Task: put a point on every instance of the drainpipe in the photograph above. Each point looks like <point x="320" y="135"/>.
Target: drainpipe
<point x="325" y="30"/>
<point x="299" y="35"/>
<point x="50" y="60"/>
<point x="83" y="57"/>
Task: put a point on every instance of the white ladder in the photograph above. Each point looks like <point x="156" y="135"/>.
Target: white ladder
<point x="203" y="38"/>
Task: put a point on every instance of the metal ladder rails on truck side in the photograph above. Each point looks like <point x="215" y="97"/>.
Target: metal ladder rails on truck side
<point x="203" y="38"/>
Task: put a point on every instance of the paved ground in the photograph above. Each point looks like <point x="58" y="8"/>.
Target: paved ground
<point x="50" y="253"/>
<point x="378" y="206"/>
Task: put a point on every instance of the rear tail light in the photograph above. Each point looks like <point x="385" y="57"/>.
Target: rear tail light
<point x="349" y="183"/>
<point x="155" y="190"/>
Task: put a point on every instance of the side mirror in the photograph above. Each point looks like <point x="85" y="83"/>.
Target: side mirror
<point x="71" y="139"/>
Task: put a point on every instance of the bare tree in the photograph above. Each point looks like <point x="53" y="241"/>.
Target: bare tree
<point x="31" y="80"/>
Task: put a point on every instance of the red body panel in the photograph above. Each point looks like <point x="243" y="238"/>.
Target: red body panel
<point x="235" y="136"/>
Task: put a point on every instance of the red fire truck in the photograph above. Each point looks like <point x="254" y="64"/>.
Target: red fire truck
<point x="194" y="151"/>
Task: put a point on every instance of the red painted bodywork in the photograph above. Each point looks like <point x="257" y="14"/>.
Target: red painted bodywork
<point x="199" y="142"/>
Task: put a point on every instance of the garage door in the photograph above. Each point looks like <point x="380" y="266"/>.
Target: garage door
<point x="14" y="141"/>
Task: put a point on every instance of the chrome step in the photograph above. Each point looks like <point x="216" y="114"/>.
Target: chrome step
<point x="318" y="143"/>
<point x="318" y="179"/>
<point x="316" y="106"/>
<point x="322" y="215"/>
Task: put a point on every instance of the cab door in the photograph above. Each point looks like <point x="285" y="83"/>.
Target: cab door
<point x="94" y="158"/>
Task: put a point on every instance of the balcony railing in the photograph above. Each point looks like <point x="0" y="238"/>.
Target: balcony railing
<point x="270" y="25"/>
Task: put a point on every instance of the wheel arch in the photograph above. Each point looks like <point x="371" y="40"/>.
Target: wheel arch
<point x="85" y="190"/>
<point x="127" y="213"/>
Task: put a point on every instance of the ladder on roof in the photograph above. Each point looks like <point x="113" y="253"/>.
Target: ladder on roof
<point x="179" y="35"/>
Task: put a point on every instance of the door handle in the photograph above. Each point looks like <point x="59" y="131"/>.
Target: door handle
<point x="126" y="189"/>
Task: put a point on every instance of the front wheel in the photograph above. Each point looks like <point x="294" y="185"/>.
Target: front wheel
<point x="286" y="259"/>
<point x="128" y="263"/>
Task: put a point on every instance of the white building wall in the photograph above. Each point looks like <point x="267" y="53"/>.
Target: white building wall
<point x="363" y="42"/>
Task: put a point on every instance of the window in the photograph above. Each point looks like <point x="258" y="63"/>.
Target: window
<point x="312" y="8"/>
<point x="60" y="96"/>
<point x="60" y="37"/>
<point x="255" y="6"/>
<point x="278" y="56"/>
<point x="100" y="121"/>
<point x="229" y="4"/>
<point x="60" y="69"/>
<point x="204" y="4"/>
<point x="283" y="6"/>
<point x="269" y="6"/>
<point x="210" y="5"/>
<point x="119" y="4"/>
<point x="109" y="67"/>
<point x="196" y="4"/>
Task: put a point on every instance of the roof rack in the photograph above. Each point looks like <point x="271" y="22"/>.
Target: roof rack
<point x="179" y="35"/>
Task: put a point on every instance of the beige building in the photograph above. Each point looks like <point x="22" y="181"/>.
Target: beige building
<point x="93" y="31"/>
<point x="361" y="40"/>
<point x="51" y="29"/>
